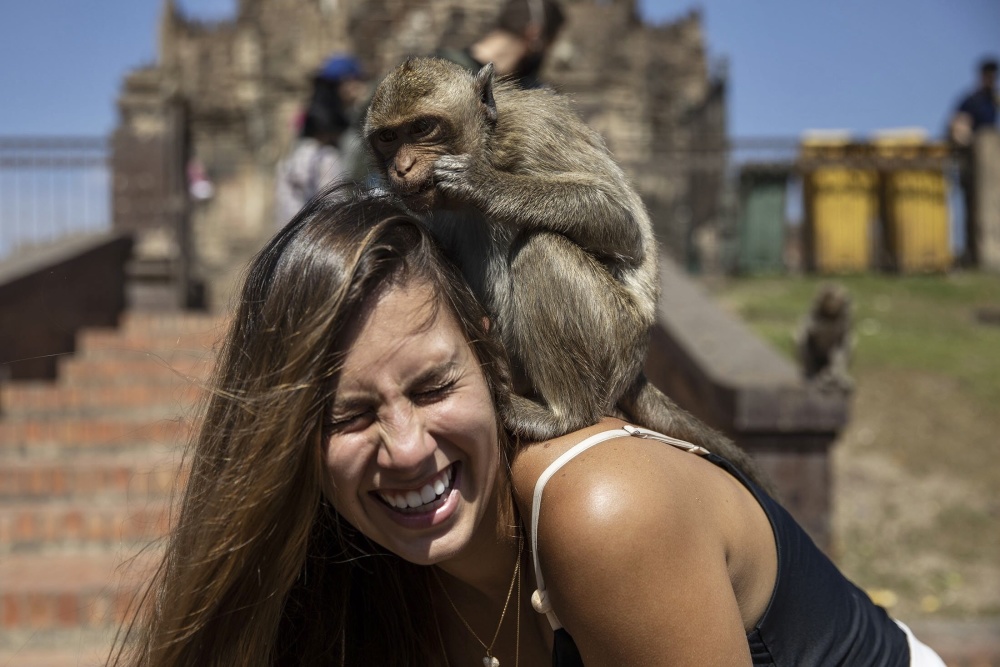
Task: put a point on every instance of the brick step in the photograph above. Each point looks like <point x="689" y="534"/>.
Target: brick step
<point x="130" y="367"/>
<point x="46" y="453"/>
<point x="165" y="357"/>
<point x="90" y="340"/>
<point x="44" y="526"/>
<point x="89" y="478"/>
<point x="38" y="452"/>
<point x="20" y="400"/>
<point x="44" y="592"/>
<point x="98" y="433"/>
<point x="173" y="322"/>
<point x="74" y="648"/>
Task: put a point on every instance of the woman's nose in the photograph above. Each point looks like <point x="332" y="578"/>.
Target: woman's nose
<point x="406" y="443"/>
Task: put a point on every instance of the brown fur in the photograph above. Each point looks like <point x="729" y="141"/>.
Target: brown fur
<point x="550" y="234"/>
<point x="824" y="339"/>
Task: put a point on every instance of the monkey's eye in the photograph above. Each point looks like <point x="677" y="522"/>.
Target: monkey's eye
<point x="386" y="136"/>
<point x="422" y="127"/>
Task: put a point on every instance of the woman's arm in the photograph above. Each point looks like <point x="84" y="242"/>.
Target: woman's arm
<point x="634" y="547"/>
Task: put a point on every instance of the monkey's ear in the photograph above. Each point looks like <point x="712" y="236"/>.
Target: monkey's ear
<point x="484" y="88"/>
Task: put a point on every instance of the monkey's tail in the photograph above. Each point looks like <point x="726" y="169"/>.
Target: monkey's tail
<point x="649" y="407"/>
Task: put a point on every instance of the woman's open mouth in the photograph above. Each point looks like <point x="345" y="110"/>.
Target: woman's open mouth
<point x="428" y="498"/>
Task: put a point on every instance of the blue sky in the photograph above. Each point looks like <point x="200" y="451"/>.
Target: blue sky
<point x="794" y="64"/>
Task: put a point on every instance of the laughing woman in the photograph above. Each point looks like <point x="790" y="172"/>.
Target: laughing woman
<point x="354" y="500"/>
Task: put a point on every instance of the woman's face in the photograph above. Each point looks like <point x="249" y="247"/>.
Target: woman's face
<point x="413" y="453"/>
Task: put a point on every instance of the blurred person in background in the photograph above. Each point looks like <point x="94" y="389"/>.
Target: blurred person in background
<point x="518" y="42"/>
<point x="328" y="145"/>
<point x="976" y="111"/>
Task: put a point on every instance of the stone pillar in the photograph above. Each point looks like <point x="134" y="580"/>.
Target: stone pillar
<point x="986" y="197"/>
<point x="149" y="192"/>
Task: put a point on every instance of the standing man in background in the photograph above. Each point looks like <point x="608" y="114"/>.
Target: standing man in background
<point x="976" y="111"/>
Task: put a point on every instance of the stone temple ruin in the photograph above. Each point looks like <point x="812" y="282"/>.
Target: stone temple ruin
<point x="226" y="93"/>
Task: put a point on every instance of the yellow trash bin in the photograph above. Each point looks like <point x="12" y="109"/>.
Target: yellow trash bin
<point x="914" y="203"/>
<point x="840" y="207"/>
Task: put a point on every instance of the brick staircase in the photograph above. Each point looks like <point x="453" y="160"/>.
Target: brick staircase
<point x="88" y="466"/>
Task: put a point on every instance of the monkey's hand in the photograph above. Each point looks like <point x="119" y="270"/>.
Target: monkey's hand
<point x="461" y="178"/>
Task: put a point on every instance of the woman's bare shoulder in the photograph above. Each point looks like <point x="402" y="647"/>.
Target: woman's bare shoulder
<point x="530" y="462"/>
<point x="626" y="463"/>
<point x="608" y="542"/>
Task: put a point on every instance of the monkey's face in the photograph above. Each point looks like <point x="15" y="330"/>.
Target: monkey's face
<point x="833" y="303"/>
<point x="406" y="154"/>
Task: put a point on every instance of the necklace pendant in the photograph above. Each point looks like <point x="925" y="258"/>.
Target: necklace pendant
<point x="490" y="661"/>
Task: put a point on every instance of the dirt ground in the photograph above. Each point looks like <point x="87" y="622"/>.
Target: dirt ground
<point x="917" y="496"/>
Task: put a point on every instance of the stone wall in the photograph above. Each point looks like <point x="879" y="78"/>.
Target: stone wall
<point x="46" y="296"/>
<point x="647" y="89"/>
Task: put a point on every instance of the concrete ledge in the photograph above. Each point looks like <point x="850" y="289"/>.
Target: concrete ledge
<point x="715" y="367"/>
<point x="48" y="293"/>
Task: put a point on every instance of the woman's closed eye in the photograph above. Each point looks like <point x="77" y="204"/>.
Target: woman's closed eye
<point x="349" y="422"/>
<point x="434" y="393"/>
<point x="352" y="419"/>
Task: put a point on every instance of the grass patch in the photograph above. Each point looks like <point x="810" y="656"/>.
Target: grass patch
<point x="923" y="323"/>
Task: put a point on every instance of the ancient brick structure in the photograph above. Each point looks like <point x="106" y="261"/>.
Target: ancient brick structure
<point x="228" y="92"/>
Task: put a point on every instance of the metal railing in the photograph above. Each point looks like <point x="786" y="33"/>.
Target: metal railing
<point x="52" y="187"/>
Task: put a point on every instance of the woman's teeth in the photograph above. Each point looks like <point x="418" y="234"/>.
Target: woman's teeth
<point x="431" y="492"/>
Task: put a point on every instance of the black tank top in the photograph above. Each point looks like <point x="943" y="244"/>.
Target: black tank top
<point x="816" y="617"/>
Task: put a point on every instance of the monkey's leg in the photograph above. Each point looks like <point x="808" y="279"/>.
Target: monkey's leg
<point x="649" y="407"/>
<point x="575" y="330"/>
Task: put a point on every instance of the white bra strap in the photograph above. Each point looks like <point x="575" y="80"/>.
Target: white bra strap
<point x="539" y="599"/>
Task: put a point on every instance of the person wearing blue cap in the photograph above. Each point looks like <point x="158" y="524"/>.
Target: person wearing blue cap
<point x="340" y="67"/>
<point x="327" y="139"/>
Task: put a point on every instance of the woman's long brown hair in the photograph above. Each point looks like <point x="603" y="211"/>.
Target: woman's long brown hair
<point x="259" y="569"/>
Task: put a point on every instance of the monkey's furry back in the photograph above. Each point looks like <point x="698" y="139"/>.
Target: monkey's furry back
<point x="565" y="148"/>
<point x="561" y="143"/>
<point x="538" y="118"/>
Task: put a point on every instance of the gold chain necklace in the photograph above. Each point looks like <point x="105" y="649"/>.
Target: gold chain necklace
<point x="489" y="660"/>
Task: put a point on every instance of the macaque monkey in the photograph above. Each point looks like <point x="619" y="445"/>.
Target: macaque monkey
<point x="824" y="339"/>
<point x="549" y="233"/>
